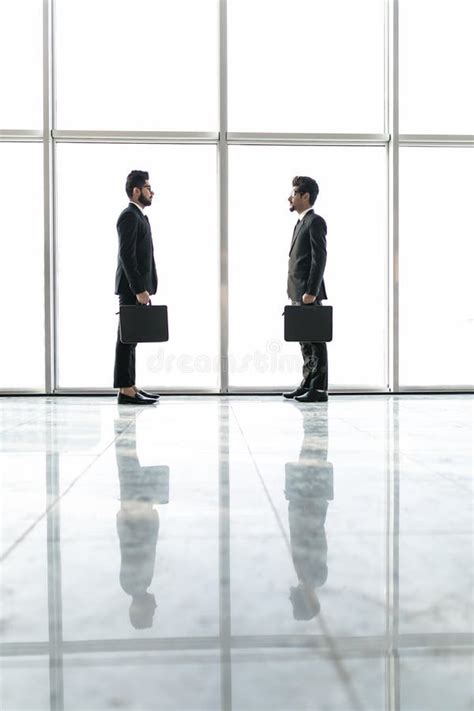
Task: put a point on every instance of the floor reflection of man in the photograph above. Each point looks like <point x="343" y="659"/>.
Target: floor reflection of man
<point x="138" y="523"/>
<point x="308" y="489"/>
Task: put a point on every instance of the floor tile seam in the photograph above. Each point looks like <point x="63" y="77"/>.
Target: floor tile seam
<point x="383" y="434"/>
<point x="20" y="424"/>
<point x="265" y="489"/>
<point x="368" y="432"/>
<point x="431" y="470"/>
<point x="335" y="655"/>
<point x="16" y="543"/>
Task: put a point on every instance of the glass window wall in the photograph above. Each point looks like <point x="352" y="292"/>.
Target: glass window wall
<point x="157" y="71"/>
<point x="352" y="200"/>
<point x="21" y="256"/>
<point x="150" y="70"/>
<point x="314" y="67"/>
<point x="21" y="65"/>
<point x="436" y="257"/>
<point x="91" y="195"/>
<point x="436" y="61"/>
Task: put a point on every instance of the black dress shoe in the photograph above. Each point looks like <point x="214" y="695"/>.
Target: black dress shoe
<point x="150" y="396"/>
<point x="313" y="396"/>
<point x="295" y="393"/>
<point x="137" y="399"/>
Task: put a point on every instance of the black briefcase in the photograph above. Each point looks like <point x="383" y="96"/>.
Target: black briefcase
<point x="310" y="323"/>
<point x="146" y="484"/>
<point x="143" y="324"/>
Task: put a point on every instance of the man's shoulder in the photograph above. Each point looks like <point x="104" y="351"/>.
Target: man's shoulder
<point x="317" y="221"/>
<point x="129" y="213"/>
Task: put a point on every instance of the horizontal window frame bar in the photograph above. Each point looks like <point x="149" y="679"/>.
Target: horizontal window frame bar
<point x="436" y="139"/>
<point x="275" y="390"/>
<point x="27" y="136"/>
<point x="435" y="390"/>
<point x="237" y="390"/>
<point x="309" y="139"/>
<point x="64" y="391"/>
<point x="202" y="137"/>
<point x="191" y="137"/>
<point x="172" y="392"/>
<point x="20" y="392"/>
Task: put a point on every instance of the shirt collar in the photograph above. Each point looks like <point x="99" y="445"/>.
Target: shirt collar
<point x="303" y="214"/>
<point x="137" y="205"/>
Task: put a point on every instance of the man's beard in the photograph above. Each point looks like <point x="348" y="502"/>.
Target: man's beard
<point x="292" y="208"/>
<point x="146" y="202"/>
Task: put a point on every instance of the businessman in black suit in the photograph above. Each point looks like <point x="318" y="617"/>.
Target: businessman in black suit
<point x="306" y="284"/>
<point x="135" y="280"/>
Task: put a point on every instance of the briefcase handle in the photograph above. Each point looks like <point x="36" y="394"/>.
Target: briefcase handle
<point x="314" y="303"/>
<point x="117" y="313"/>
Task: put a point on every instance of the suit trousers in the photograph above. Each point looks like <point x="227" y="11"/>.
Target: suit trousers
<point x="315" y="364"/>
<point x="124" y="370"/>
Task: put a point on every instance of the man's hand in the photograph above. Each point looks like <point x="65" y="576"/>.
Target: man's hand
<point x="143" y="297"/>
<point x="308" y="299"/>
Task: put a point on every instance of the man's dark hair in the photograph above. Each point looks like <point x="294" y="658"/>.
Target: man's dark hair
<point x="135" y="179"/>
<point x="306" y="185"/>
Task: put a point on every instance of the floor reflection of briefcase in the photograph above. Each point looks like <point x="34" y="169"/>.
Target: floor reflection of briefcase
<point x="308" y="323"/>
<point x="156" y="481"/>
<point x="145" y="484"/>
<point x="143" y="324"/>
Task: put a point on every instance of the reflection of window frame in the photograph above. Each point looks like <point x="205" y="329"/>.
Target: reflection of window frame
<point x="387" y="647"/>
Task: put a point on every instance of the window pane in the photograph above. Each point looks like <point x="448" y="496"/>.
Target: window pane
<point x="158" y="71"/>
<point x="436" y="257"/>
<point x="183" y="220"/>
<point x="21" y="256"/>
<point x="21" y="65"/>
<point x="436" y="61"/>
<point x="352" y="200"/>
<point x="299" y="68"/>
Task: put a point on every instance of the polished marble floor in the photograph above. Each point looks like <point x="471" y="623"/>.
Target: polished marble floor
<point x="237" y="554"/>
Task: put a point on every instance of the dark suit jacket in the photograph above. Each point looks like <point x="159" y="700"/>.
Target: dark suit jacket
<point x="308" y="258"/>
<point x="136" y="270"/>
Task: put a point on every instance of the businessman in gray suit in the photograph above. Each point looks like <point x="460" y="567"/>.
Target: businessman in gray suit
<point x="306" y="265"/>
